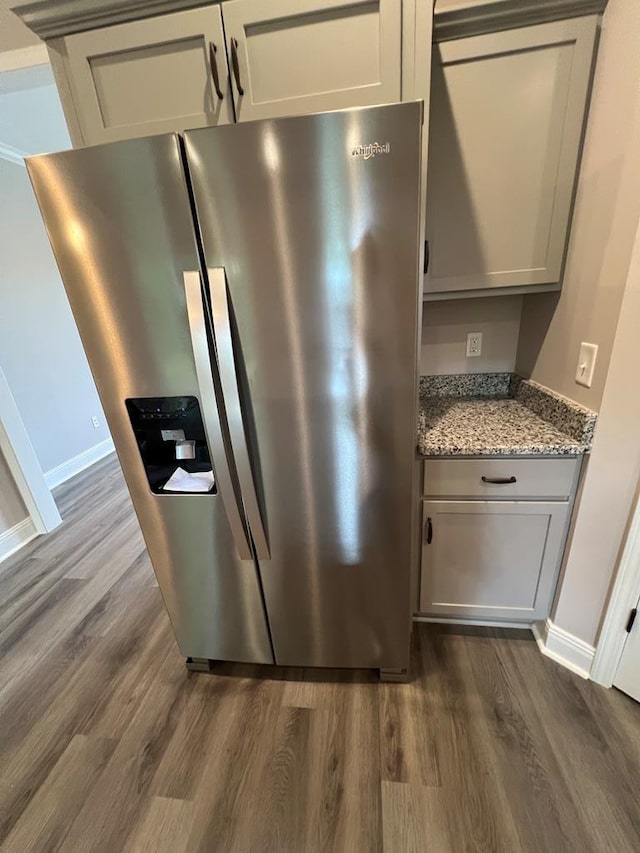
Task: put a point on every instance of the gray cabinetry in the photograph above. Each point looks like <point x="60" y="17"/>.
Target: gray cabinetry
<point x="490" y="560"/>
<point x="507" y="114"/>
<point x="280" y="57"/>
<point x="149" y="76"/>
<point x="306" y="56"/>
<point x="493" y="534"/>
<point x="492" y="479"/>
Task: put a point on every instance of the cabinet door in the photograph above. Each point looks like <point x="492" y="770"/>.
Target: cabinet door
<point x="490" y="560"/>
<point x="507" y="112"/>
<point x="305" y="56"/>
<point x="150" y="76"/>
<point x="628" y="675"/>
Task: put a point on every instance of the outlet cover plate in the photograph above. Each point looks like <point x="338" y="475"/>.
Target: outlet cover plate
<point x="474" y="344"/>
<point x="586" y="364"/>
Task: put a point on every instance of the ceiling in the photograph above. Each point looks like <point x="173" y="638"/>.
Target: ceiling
<point x="13" y="33"/>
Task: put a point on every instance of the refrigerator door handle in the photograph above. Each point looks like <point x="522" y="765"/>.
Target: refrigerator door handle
<point x="229" y="380"/>
<point x="210" y="416"/>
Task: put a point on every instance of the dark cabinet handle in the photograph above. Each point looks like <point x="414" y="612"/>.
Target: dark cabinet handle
<point x="429" y="532"/>
<point x="500" y="481"/>
<point x="235" y="66"/>
<point x="426" y="257"/>
<point x="214" y="69"/>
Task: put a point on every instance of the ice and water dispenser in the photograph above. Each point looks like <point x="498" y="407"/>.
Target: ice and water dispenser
<point x="172" y="443"/>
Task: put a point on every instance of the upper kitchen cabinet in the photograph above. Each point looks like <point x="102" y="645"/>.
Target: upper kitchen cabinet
<point x="303" y="56"/>
<point x="150" y="76"/>
<point x="508" y="109"/>
<point x="154" y="66"/>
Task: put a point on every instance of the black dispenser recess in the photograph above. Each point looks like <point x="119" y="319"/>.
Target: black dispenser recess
<point x="170" y="435"/>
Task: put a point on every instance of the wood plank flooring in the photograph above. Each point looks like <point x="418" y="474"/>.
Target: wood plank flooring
<point x="108" y="744"/>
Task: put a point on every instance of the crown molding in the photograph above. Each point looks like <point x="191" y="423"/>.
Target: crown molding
<point x="53" y="18"/>
<point x="12" y="155"/>
<point x="487" y="16"/>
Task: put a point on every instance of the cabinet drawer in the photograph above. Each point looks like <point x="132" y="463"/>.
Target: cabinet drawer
<point x="526" y="478"/>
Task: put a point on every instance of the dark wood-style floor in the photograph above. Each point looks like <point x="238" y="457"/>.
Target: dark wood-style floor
<point x="108" y="744"/>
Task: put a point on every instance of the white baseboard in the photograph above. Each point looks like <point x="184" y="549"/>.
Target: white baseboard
<point x="78" y="463"/>
<point x="17" y="536"/>
<point x="554" y="642"/>
<point x="564" y="648"/>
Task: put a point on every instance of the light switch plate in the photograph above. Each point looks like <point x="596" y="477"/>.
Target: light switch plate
<point x="586" y="364"/>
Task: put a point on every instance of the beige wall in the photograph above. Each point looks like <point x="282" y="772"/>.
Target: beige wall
<point x="611" y="480"/>
<point x="444" y="334"/>
<point x="600" y="302"/>
<point x="13" y="33"/>
<point x="604" y="224"/>
<point x="12" y="509"/>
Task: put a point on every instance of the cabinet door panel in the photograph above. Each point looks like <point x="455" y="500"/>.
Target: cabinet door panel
<point x="490" y="560"/>
<point x="304" y="56"/>
<point x="149" y="76"/>
<point x="507" y="111"/>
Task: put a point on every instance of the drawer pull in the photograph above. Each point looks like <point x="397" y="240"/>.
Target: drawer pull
<point x="214" y="69"/>
<point x="500" y="481"/>
<point x="429" y="532"/>
<point x="235" y="66"/>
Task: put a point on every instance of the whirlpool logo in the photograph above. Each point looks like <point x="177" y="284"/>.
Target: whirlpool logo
<point x="371" y="149"/>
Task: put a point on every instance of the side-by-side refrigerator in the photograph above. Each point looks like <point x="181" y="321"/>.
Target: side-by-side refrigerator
<point x="248" y="298"/>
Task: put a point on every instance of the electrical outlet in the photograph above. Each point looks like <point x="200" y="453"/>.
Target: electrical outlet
<point x="474" y="344"/>
<point x="95" y="422"/>
<point x="586" y="364"/>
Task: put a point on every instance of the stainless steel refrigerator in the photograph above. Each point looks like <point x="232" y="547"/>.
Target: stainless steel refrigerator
<point x="248" y="298"/>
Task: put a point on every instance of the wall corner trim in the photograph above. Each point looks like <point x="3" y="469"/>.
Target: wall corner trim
<point x="15" y="537"/>
<point x="12" y="155"/>
<point x="564" y="648"/>
<point x="23" y="57"/>
<point x="63" y="472"/>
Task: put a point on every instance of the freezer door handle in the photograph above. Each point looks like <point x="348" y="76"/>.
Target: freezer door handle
<point x="210" y="415"/>
<point x="220" y="310"/>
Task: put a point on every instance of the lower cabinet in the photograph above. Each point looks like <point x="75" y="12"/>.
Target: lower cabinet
<point x="493" y="560"/>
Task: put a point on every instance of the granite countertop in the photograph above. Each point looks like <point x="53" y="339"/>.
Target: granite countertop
<point x="499" y="415"/>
